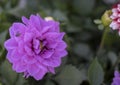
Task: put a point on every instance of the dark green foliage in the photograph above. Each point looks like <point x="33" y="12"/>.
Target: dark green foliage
<point x="95" y="73"/>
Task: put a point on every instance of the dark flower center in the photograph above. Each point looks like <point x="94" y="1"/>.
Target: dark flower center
<point x="38" y="46"/>
<point x="41" y="45"/>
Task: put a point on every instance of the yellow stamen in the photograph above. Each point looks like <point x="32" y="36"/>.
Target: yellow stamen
<point x="41" y="45"/>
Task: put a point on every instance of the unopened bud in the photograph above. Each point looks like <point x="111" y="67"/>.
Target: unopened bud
<point x="106" y="20"/>
<point x="49" y="18"/>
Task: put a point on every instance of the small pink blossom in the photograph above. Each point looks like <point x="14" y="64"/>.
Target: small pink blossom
<point x="115" y="24"/>
<point x="35" y="46"/>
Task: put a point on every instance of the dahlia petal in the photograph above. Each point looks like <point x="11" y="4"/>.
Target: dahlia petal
<point x="118" y="20"/>
<point x="53" y="36"/>
<point x="45" y="29"/>
<point x="26" y="74"/>
<point x="28" y="50"/>
<point x="116" y="81"/>
<point x="61" y="45"/>
<point x="53" y="62"/>
<point x="9" y="56"/>
<point x="114" y="10"/>
<point x="25" y="20"/>
<point x="37" y="51"/>
<point x="19" y="66"/>
<point x="15" y="55"/>
<point x="47" y="54"/>
<point x="113" y="17"/>
<point x="33" y="69"/>
<point x="40" y="74"/>
<point x="53" y="26"/>
<point x="28" y="37"/>
<point x="118" y="7"/>
<point x="115" y="14"/>
<point x="21" y="47"/>
<point x="17" y="29"/>
<point x="10" y="44"/>
<point x="34" y="32"/>
<point x="119" y="15"/>
<point x="51" y="69"/>
<point x="35" y="21"/>
<point x="61" y="53"/>
<point x="29" y="59"/>
<point x="51" y="44"/>
<point x="41" y="20"/>
<point x="116" y="73"/>
<point x="36" y="43"/>
<point x="114" y="25"/>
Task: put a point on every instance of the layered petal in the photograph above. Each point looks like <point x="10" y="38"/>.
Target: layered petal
<point x="52" y="62"/>
<point x="11" y="44"/>
<point x="53" y="36"/>
<point x="19" y="66"/>
<point x="115" y="17"/>
<point x="33" y="69"/>
<point x="40" y="74"/>
<point x="17" y="30"/>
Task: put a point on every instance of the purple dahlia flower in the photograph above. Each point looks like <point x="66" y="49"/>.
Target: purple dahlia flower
<point x="116" y="79"/>
<point x="35" y="46"/>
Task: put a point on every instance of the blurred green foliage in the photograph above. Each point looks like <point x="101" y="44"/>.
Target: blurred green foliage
<point x="82" y="36"/>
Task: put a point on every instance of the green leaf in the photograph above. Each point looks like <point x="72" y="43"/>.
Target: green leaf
<point x="112" y="57"/>
<point x="2" y="50"/>
<point x="70" y="75"/>
<point x="2" y="55"/>
<point x="95" y="73"/>
<point x="97" y="21"/>
<point x="100" y="27"/>
<point x="82" y="50"/>
<point x="3" y="37"/>
<point x="8" y="75"/>
<point x="21" y="80"/>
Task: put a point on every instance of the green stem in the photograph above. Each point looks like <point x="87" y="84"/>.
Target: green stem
<point x="103" y="40"/>
<point x="116" y="63"/>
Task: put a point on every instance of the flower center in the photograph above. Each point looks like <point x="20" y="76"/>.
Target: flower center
<point x="38" y="46"/>
<point x="41" y="45"/>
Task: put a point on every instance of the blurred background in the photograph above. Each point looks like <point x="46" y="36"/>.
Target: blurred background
<point x="83" y="37"/>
